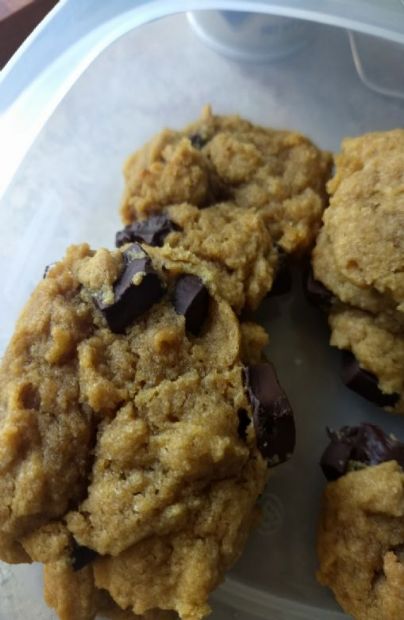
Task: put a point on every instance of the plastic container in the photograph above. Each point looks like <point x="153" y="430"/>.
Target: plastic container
<point x="67" y="190"/>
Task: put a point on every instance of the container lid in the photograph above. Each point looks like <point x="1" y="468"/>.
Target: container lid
<point x="76" y="31"/>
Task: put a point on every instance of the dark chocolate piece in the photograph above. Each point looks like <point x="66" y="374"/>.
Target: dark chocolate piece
<point x="272" y="414"/>
<point x="191" y="299"/>
<point x="335" y="458"/>
<point x="366" y="444"/>
<point x="373" y="446"/>
<point x="197" y="141"/>
<point x="316" y="293"/>
<point x="152" y="231"/>
<point x="81" y="556"/>
<point x="243" y="423"/>
<point x="364" y="382"/>
<point x="136" y="290"/>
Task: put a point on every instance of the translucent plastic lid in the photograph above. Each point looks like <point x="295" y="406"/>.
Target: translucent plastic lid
<point x="76" y="31"/>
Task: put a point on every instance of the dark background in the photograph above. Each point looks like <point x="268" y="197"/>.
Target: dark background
<point x="17" y="20"/>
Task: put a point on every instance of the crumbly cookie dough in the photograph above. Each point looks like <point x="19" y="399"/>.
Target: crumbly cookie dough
<point x="121" y="454"/>
<point x="359" y="258"/>
<point x="279" y="174"/>
<point x="360" y="542"/>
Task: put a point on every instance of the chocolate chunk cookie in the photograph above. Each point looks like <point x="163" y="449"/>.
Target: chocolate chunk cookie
<point x="253" y="178"/>
<point x="361" y="530"/>
<point x="122" y="464"/>
<point x="359" y="258"/>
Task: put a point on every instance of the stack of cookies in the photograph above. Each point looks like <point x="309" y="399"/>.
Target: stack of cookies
<point x="359" y="260"/>
<point x="358" y="268"/>
<point x="138" y="413"/>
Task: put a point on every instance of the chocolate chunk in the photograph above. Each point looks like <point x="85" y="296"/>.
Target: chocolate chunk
<point x="136" y="290"/>
<point x="316" y="293"/>
<point x="283" y="281"/>
<point x="191" y="299"/>
<point x="272" y="414"/>
<point x="373" y="446"/>
<point x="243" y="423"/>
<point x="197" y="141"/>
<point x="334" y="461"/>
<point x="152" y="231"/>
<point x="81" y="556"/>
<point x="364" y="382"/>
<point x="366" y="444"/>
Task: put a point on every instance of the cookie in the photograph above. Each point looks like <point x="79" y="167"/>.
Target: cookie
<point x="361" y="529"/>
<point x="363" y="224"/>
<point x="359" y="260"/>
<point x="241" y="171"/>
<point x="129" y="444"/>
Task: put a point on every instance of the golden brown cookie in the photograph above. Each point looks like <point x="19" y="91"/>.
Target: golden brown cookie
<point x="237" y="196"/>
<point x="359" y="259"/>
<point x="127" y="443"/>
<point x="279" y="174"/>
<point x="360" y="542"/>
<point x="361" y="530"/>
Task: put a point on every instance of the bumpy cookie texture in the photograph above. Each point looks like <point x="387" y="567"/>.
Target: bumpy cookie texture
<point x="73" y="595"/>
<point x="360" y="542"/>
<point x="359" y="258"/>
<point x="121" y="462"/>
<point x="363" y="227"/>
<point x="279" y="175"/>
<point x="326" y="271"/>
<point x="229" y="248"/>
<point x="45" y="457"/>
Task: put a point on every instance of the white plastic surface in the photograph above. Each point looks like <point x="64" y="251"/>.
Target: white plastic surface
<point x="67" y="190"/>
<point x="76" y="31"/>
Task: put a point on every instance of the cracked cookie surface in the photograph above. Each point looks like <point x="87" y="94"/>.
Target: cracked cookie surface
<point x="260" y="194"/>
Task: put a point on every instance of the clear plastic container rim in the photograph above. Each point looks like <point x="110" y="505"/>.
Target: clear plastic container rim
<point x="75" y="32"/>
